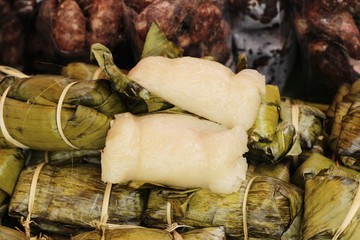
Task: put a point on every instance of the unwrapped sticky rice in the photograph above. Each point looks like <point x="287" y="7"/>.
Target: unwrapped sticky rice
<point x="176" y="150"/>
<point x="203" y="87"/>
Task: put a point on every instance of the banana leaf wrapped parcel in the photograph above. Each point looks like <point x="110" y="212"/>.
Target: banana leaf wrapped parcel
<point x="61" y="158"/>
<point x="12" y="161"/>
<point x="136" y="233"/>
<point x="331" y="205"/>
<point x="284" y="128"/>
<point x="345" y="131"/>
<point x="264" y="208"/>
<point x="271" y="138"/>
<point x="7" y="233"/>
<point x="49" y="112"/>
<point x="68" y="199"/>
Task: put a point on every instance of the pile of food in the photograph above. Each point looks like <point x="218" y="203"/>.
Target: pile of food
<point x="176" y="147"/>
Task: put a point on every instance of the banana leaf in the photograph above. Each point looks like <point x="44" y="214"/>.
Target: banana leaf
<point x="137" y="98"/>
<point x="7" y="233"/>
<point x="3" y="196"/>
<point x="271" y="207"/>
<point x="214" y="233"/>
<point x="345" y="132"/>
<point x="241" y="62"/>
<point x="342" y="91"/>
<point x="157" y="44"/>
<point x="329" y="212"/>
<point x="268" y="118"/>
<point x="340" y="111"/>
<point x="348" y="144"/>
<point x="11" y="163"/>
<point x="35" y="126"/>
<point x="284" y="144"/>
<point x="294" y="231"/>
<point x="270" y="138"/>
<point x="321" y="147"/>
<point x="279" y="171"/>
<point x="69" y="198"/>
<point x="64" y="157"/>
<point x="83" y="71"/>
<point x="46" y="90"/>
<point x="310" y="122"/>
<point x="310" y="168"/>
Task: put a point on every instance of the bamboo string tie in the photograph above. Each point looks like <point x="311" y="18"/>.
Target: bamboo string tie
<point x="58" y="115"/>
<point x="173" y="226"/>
<point x="102" y="223"/>
<point x="26" y="223"/>
<point x="245" y="227"/>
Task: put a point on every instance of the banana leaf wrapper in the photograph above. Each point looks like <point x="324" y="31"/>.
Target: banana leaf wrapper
<point x="3" y="197"/>
<point x="294" y="231"/>
<point x="83" y="71"/>
<point x="342" y="91"/>
<point x="348" y="144"/>
<point x="69" y="198"/>
<point x="285" y="143"/>
<point x="310" y="168"/>
<point x="137" y="99"/>
<point x="157" y="44"/>
<point x="35" y="126"/>
<point x="270" y="138"/>
<point x="340" y="111"/>
<point x="213" y="233"/>
<point x="344" y="135"/>
<point x="46" y="90"/>
<point x="310" y="122"/>
<point x="61" y="158"/>
<point x="328" y="198"/>
<point x="11" y="234"/>
<point x="11" y="163"/>
<point x="271" y="207"/>
<point x="268" y="118"/>
<point x="279" y="171"/>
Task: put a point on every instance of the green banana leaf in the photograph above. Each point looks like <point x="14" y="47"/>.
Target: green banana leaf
<point x="156" y="44"/>
<point x="136" y="233"/>
<point x="279" y="171"/>
<point x="329" y="198"/>
<point x="3" y="197"/>
<point x="12" y="162"/>
<point x="46" y="90"/>
<point x="271" y="207"/>
<point x="137" y="98"/>
<point x="271" y="138"/>
<point x="64" y="157"/>
<point x="348" y="143"/>
<point x="268" y="118"/>
<point x="35" y="126"/>
<point x="69" y="198"/>
<point x="345" y="132"/>
<point x="310" y="122"/>
<point x="340" y="111"/>
<point x="285" y="143"/>
<point x="310" y="168"/>
<point x="83" y="71"/>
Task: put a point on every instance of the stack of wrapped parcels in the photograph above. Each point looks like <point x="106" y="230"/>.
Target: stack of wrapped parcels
<point x="176" y="147"/>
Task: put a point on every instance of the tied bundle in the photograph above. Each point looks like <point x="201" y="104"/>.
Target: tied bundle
<point x="52" y="113"/>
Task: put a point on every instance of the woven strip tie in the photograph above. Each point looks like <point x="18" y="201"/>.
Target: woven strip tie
<point x="58" y="115"/>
